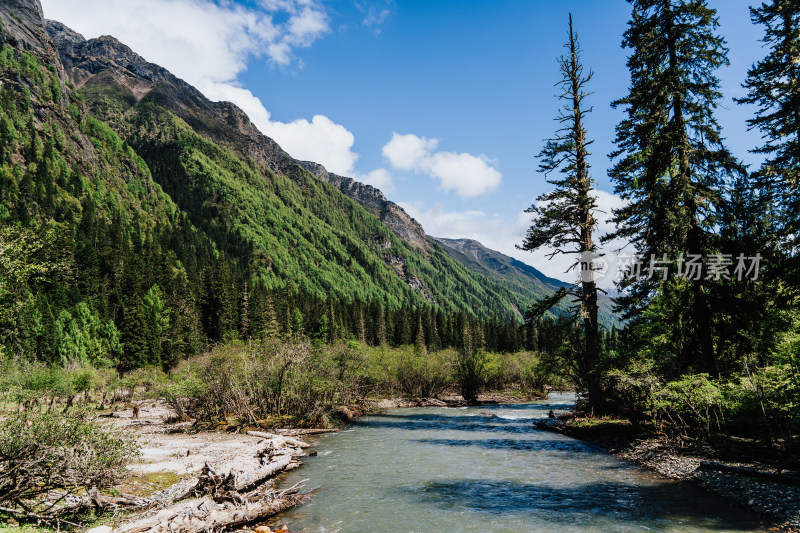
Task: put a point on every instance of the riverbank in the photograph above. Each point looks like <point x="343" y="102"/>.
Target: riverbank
<point x="187" y="480"/>
<point x="176" y="458"/>
<point x="757" y="487"/>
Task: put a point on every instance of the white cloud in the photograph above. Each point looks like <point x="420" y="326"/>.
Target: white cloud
<point x="379" y="178"/>
<point x="208" y="44"/>
<point x="320" y="140"/>
<point x="503" y="232"/>
<point x="376" y="13"/>
<point x="466" y="174"/>
<point x="408" y="152"/>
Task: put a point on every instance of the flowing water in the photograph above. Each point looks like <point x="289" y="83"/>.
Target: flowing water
<point x="487" y="469"/>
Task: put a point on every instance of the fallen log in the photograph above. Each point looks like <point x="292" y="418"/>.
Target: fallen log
<point x="298" y="432"/>
<point x="750" y="472"/>
<point x="285" y="438"/>
<point x="216" y="500"/>
<point x="235" y="493"/>
<point x="247" y="480"/>
<point x="204" y="514"/>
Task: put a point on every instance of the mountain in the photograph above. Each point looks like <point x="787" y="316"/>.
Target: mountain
<point x="222" y="122"/>
<point x="515" y="275"/>
<point x="140" y="219"/>
<point x="204" y="151"/>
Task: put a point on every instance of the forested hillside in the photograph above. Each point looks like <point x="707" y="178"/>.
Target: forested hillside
<point x="141" y="222"/>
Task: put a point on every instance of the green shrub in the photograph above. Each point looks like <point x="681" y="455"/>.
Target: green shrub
<point x="68" y="451"/>
<point x="523" y="371"/>
<point x="692" y="403"/>
<point x="260" y="380"/>
<point x="422" y="375"/>
<point x="470" y="372"/>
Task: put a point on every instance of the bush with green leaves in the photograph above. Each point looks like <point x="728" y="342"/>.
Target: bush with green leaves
<point x="255" y="381"/>
<point x="470" y="371"/>
<point x="523" y="371"/>
<point x="419" y="374"/>
<point x="691" y="404"/>
<point x="58" y="450"/>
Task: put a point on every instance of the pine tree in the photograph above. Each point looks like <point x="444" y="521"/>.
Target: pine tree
<point x="470" y="363"/>
<point x="402" y="326"/>
<point x="361" y="328"/>
<point x="671" y="163"/>
<point x="564" y="217"/>
<point x="773" y="85"/>
<point x="431" y="331"/>
<point x="156" y="316"/>
<point x="419" y="339"/>
<point x="286" y="307"/>
<point x="271" y="327"/>
<point x="380" y="325"/>
<point x="298" y="323"/>
<point x="244" y="315"/>
<point x="257" y="310"/>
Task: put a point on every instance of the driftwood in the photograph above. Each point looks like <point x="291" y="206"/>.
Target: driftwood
<point x="211" y="482"/>
<point x="42" y="518"/>
<point x="95" y="501"/>
<point x="206" y="514"/>
<point x="750" y="472"/>
<point x="298" y="432"/>
<point x="208" y="502"/>
<point x="224" y="494"/>
<point x="291" y="441"/>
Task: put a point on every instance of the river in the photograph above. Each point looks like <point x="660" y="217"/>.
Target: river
<point x="487" y="469"/>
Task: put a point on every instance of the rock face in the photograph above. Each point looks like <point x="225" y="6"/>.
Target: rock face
<point x="23" y="26"/>
<point x="107" y="60"/>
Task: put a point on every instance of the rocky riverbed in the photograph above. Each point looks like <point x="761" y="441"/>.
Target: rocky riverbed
<point x="746" y="484"/>
<point x="198" y="481"/>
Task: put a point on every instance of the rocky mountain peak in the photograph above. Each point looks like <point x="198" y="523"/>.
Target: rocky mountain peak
<point x="61" y="33"/>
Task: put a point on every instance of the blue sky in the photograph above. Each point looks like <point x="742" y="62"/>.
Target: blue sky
<point x="442" y="104"/>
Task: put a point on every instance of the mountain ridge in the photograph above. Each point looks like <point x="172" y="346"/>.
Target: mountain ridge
<point x="84" y="59"/>
<point x="127" y="92"/>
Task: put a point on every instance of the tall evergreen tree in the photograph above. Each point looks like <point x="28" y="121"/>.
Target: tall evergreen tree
<point x="564" y="217"/>
<point x="244" y="315"/>
<point x="419" y="339"/>
<point x="773" y="85"/>
<point x="380" y="325"/>
<point x="671" y="164"/>
<point x="271" y="326"/>
<point x="360" y="323"/>
<point x="156" y="316"/>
